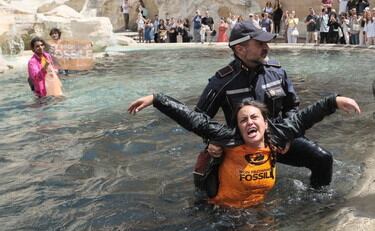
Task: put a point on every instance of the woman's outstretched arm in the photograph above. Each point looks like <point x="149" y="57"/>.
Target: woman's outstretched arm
<point x="196" y="122"/>
<point x="299" y="122"/>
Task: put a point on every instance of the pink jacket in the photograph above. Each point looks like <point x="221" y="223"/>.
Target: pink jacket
<point x="37" y="74"/>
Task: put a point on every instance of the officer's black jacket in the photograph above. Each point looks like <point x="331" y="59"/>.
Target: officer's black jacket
<point x="268" y="84"/>
<point x="281" y="133"/>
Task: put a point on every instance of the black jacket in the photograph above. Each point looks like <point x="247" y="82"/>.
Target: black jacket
<point x="202" y="125"/>
<point x="268" y="84"/>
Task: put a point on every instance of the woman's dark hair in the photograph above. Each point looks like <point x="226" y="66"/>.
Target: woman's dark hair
<point x="267" y="135"/>
<point x="55" y="30"/>
<point x="249" y="102"/>
<point x="34" y="40"/>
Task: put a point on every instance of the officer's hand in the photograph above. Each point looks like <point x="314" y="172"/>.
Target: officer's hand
<point x="140" y="103"/>
<point x="283" y="150"/>
<point x="214" y="150"/>
<point x="347" y="104"/>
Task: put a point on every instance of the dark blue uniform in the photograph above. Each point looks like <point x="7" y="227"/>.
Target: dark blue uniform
<point x="269" y="84"/>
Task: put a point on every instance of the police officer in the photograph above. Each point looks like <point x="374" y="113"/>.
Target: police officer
<point x="252" y="75"/>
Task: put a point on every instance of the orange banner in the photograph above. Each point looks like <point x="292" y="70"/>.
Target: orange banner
<point x="72" y="54"/>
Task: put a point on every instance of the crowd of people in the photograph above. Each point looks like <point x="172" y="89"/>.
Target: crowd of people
<point x="353" y="23"/>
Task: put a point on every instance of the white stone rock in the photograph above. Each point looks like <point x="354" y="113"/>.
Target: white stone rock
<point x="63" y="11"/>
<point x="124" y="41"/>
<point x="3" y="65"/>
<point x="11" y="44"/>
<point x="98" y="30"/>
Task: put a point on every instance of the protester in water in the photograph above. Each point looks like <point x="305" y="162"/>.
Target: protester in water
<point x="43" y="79"/>
<point x="247" y="172"/>
<point x="55" y="35"/>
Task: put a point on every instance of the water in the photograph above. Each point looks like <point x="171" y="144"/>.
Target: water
<point x="82" y="163"/>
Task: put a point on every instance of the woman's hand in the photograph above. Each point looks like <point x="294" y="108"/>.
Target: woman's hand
<point x="347" y="104"/>
<point x="140" y="103"/>
<point x="214" y="150"/>
<point x="46" y="64"/>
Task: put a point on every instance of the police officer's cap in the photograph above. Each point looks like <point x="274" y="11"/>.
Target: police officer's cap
<point x="245" y="30"/>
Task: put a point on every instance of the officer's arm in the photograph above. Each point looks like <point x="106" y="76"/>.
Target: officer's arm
<point x="291" y="100"/>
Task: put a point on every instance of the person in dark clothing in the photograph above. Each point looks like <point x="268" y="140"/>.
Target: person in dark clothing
<point x="352" y="4"/>
<point x="208" y="21"/>
<point x="277" y="16"/>
<point x="334" y="27"/>
<point x="249" y="75"/>
<point x="186" y="35"/>
<point x="172" y="33"/>
<point x="361" y="5"/>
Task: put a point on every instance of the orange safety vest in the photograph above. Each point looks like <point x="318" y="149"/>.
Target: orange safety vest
<point x="245" y="175"/>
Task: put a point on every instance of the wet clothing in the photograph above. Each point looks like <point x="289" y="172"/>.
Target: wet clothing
<point x="246" y="174"/>
<point x="269" y="84"/>
<point x="37" y="75"/>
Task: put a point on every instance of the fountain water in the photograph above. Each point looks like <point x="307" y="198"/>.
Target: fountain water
<point x="82" y="163"/>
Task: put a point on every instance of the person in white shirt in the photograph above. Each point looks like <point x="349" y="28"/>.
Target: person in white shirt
<point x="369" y="28"/>
<point x="125" y="7"/>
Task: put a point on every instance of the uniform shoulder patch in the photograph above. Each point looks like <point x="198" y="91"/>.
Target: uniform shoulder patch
<point x="225" y="71"/>
<point x="273" y="63"/>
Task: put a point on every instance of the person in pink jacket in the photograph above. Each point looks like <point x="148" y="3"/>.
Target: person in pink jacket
<point x="42" y="77"/>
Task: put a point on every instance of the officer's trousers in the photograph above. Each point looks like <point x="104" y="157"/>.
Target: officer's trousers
<point x="305" y="153"/>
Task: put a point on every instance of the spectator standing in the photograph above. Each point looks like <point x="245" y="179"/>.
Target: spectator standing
<point x="268" y="8"/>
<point x="172" y="32"/>
<point x="256" y="21"/>
<point x="277" y="16"/>
<point x="223" y="27"/>
<point x="352" y="5"/>
<point x="168" y="26"/>
<point x="343" y="6"/>
<point x="208" y="21"/>
<point x="180" y="30"/>
<point x="149" y="31"/>
<point x="125" y="8"/>
<point x="333" y="32"/>
<point x="156" y="24"/>
<point x="355" y="27"/>
<point x="140" y="27"/>
<point x="311" y="22"/>
<point x="369" y="29"/>
<point x="345" y="39"/>
<point x="285" y="22"/>
<point x="197" y="25"/>
<point x="204" y="30"/>
<point x="186" y="35"/>
<point x="324" y="28"/>
<point x="293" y="32"/>
<point x="232" y="20"/>
<point x="142" y="9"/>
<point x="266" y="23"/>
<point x="361" y="31"/>
<point x="361" y="6"/>
<point x="163" y="37"/>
